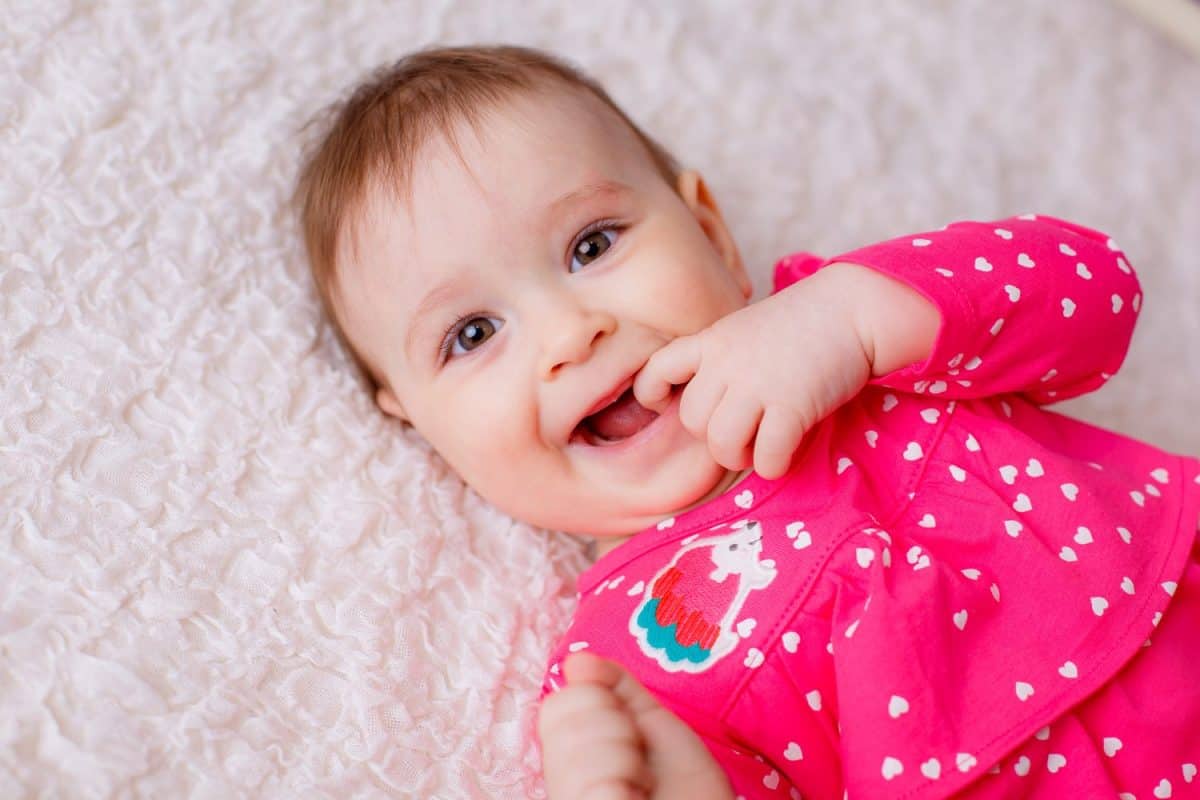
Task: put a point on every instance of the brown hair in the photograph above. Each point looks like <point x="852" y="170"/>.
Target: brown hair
<point x="377" y="131"/>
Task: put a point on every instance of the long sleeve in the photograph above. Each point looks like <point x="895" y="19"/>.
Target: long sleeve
<point x="1032" y="305"/>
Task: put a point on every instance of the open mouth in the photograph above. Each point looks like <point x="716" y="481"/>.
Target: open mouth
<point x="620" y="420"/>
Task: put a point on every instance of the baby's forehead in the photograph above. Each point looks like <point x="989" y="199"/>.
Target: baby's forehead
<point x="513" y="160"/>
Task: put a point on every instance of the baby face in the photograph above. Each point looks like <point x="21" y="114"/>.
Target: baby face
<point x="522" y="284"/>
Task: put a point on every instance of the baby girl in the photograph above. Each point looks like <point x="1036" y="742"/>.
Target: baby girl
<point x="843" y="548"/>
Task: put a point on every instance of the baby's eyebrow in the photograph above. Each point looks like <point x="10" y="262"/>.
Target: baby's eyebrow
<point x="451" y="286"/>
<point x="586" y="192"/>
<point x="432" y="299"/>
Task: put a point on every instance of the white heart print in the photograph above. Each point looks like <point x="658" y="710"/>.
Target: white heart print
<point x="1055" y="762"/>
<point x="1002" y="233"/>
<point x="1163" y="790"/>
<point x="1034" y="468"/>
<point x="1022" y="503"/>
<point x="791" y="641"/>
<point x="960" y="619"/>
<point x="801" y="538"/>
<point x="1069" y="670"/>
<point x="754" y="658"/>
<point x="897" y="706"/>
<point x="1066" y="250"/>
<point x="744" y="498"/>
<point x="1111" y="745"/>
<point x="891" y="768"/>
<point x="1009" y="474"/>
<point x="793" y="752"/>
<point x="1082" y="271"/>
<point x="1025" y="261"/>
<point x="1024" y="690"/>
<point x="932" y="769"/>
<point x="982" y="264"/>
<point x="1068" y="307"/>
<point x="913" y="452"/>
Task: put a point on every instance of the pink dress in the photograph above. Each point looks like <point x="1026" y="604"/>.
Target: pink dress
<point x="953" y="591"/>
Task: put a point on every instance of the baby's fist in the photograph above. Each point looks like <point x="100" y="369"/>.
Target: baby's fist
<point x="605" y="737"/>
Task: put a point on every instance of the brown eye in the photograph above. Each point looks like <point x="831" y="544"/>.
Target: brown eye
<point x="475" y="331"/>
<point x="593" y="246"/>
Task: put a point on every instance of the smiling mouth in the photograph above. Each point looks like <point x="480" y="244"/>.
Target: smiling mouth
<point x="589" y="435"/>
<point x="585" y="432"/>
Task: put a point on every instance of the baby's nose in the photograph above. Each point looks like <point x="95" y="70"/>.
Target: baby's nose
<point x="572" y="337"/>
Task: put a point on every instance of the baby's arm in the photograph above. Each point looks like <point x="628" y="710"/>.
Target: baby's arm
<point x="1034" y="305"/>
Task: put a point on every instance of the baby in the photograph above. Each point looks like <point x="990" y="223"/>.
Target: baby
<point x="842" y="547"/>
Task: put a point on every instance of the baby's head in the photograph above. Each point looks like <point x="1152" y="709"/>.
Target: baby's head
<point x="499" y="248"/>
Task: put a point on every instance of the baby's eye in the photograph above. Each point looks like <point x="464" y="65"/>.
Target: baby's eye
<point x="592" y="246"/>
<point x="469" y="335"/>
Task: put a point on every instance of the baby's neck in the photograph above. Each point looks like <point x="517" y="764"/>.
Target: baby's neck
<point x="726" y="483"/>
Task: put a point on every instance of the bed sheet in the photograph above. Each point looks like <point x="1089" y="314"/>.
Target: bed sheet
<point x="223" y="573"/>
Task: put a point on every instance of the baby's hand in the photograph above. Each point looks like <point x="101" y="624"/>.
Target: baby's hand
<point x="759" y="378"/>
<point x="604" y="737"/>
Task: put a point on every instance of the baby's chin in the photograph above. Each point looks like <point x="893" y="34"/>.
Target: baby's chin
<point x="726" y="480"/>
<point x="673" y="500"/>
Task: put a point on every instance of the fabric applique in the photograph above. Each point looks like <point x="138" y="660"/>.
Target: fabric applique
<point x="685" y="620"/>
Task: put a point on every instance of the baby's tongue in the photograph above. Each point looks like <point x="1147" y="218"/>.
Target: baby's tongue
<point x="622" y="419"/>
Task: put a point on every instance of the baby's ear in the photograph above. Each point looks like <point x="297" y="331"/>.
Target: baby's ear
<point x="389" y="405"/>
<point x="699" y="199"/>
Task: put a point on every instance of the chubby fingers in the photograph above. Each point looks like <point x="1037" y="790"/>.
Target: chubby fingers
<point x="587" y="669"/>
<point x="779" y="434"/>
<point x="731" y="430"/>
<point x="674" y="363"/>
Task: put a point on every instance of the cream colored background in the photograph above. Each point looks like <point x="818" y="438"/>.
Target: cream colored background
<point x="222" y="572"/>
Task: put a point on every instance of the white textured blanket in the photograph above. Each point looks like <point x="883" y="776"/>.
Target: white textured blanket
<point x="222" y="572"/>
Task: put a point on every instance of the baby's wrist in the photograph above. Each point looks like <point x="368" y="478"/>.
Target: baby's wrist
<point x="896" y="325"/>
